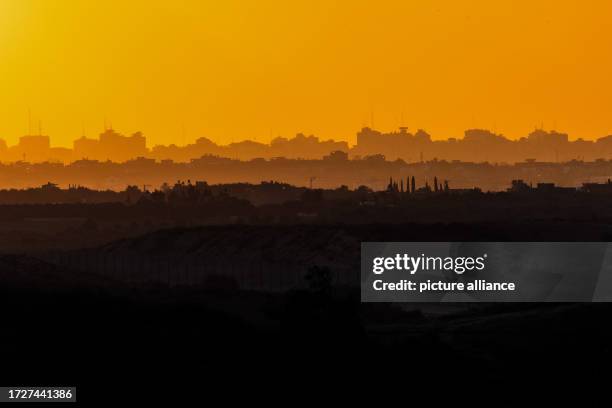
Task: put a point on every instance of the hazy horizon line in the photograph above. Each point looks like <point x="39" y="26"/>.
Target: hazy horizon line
<point x="256" y="140"/>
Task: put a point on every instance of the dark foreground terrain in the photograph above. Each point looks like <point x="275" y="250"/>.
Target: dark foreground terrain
<point x="243" y="311"/>
<point x="156" y="343"/>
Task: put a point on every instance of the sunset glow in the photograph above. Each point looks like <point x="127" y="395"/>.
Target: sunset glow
<point x="233" y="70"/>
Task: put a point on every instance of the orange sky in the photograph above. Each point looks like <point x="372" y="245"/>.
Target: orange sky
<point x="231" y="70"/>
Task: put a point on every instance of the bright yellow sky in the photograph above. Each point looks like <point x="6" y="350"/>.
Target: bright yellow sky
<point x="231" y="70"/>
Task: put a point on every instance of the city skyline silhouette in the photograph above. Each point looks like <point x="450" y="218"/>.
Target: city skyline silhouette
<point x="193" y="195"/>
<point x="261" y="69"/>
<point x="475" y="145"/>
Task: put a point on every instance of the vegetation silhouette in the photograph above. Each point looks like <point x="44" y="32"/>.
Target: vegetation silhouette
<point x="149" y="285"/>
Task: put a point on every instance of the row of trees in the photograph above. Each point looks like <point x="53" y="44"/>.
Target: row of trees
<point x="396" y="187"/>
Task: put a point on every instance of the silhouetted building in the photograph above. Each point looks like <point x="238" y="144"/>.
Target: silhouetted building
<point x="85" y="148"/>
<point x="33" y="148"/>
<point x="519" y="186"/>
<point x="603" y="188"/>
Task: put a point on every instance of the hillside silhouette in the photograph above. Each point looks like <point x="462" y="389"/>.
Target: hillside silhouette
<point x="162" y="323"/>
<point x="152" y="286"/>
<point x="50" y="218"/>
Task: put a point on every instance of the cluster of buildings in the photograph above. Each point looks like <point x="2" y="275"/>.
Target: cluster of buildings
<point x="109" y="146"/>
<point x="480" y="145"/>
<point x="520" y="186"/>
<point x="116" y="147"/>
<point x="477" y="145"/>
